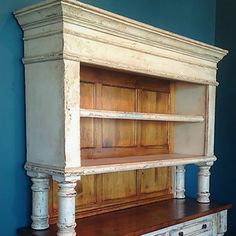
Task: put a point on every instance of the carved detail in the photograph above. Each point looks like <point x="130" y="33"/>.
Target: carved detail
<point x="40" y="190"/>
<point x="204" y="182"/>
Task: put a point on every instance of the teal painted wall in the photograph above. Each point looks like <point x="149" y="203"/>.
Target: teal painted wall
<point x="192" y="18"/>
<point x="14" y="190"/>
<point x="224" y="172"/>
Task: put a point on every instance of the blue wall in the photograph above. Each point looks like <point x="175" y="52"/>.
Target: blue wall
<point x="224" y="172"/>
<point x="192" y="18"/>
<point x="14" y="190"/>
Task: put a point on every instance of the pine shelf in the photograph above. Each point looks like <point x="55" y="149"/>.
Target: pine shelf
<point x="107" y="165"/>
<point x="105" y="114"/>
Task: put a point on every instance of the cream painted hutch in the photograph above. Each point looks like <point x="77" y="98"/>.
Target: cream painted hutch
<point x="115" y="109"/>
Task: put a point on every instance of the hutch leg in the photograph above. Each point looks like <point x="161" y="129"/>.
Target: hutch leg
<point x="180" y="182"/>
<point x="66" y="209"/>
<point x="204" y="182"/>
<point x="222" y="223"/>
<point x="40" y="190"/>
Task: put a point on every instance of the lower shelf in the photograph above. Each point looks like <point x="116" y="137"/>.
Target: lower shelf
<point x="107" y="165"/>
<point x="137" y="220"/>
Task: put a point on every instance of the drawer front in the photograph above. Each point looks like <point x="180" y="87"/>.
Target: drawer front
<point x="199" y="228"/>
<point x="204" y="226"/>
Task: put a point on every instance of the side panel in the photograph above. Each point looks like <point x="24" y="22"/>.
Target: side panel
<point x="189" y="138"/>
<point x="45" y="113"/>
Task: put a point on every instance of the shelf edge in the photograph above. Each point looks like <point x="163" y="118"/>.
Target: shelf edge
<point x="74" y="173"/>
<point x="104" y="114"/>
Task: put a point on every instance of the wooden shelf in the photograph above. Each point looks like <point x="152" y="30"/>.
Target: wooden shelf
<point x="138" y="220"/>
<point x="104" y="114"/>
<point x="108" y="165"/>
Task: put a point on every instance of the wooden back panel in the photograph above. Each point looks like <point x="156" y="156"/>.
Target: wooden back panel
<point x="104" y="138"/>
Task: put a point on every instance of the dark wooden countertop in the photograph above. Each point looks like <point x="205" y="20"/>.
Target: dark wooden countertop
<point x="137" y="220"/>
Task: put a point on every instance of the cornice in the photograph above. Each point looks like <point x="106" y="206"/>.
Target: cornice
<point x="77" y="13"/>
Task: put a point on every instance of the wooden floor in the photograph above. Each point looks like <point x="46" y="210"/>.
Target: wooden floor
<point x="137" y="220"/>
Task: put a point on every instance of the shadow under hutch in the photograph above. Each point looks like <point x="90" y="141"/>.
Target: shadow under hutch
<point x="115" y="109"/>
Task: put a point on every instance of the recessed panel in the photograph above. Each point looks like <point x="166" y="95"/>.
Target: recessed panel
<point x="118" y="185"/>
<point x="118" y="98"/>
<point x="118" y="133"/>
<point x="153" y="133"/>
<point x="86" y="190"/>
<point x="154" y="180"/>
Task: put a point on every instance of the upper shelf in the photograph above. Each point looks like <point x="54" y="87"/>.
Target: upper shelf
<point x="104" y="114"/>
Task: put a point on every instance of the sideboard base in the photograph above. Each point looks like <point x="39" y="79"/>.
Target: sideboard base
<point x="166" y="218"/>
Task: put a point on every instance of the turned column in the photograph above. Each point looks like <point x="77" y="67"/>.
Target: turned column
<point x="40" y="188"/>
<point x="66" y="209"/>
<point x="204" y="182"/>
<point x="180" y="182"/>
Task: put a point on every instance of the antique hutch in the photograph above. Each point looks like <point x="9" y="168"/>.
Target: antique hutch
<point x="115" y="109"/>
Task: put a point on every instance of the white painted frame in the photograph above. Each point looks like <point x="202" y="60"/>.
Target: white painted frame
<point x="216" y="225"/>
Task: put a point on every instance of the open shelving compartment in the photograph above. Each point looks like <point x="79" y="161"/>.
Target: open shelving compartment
<point x="134" y="129"/>
<point x="131" y="121"/>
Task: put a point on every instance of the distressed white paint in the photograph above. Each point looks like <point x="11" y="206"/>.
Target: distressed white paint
<point x="40" y="188"/>
<point x="197" y="228"/>
<point x="203" y="226"/>
<point x="52" y="111"/>
<point x="138" y="116"/>
<point x="189" y="99"/>
<point x="45" y="113"/>
<point x="104" y="21"/>
<point x="180" y="182"/>
<point x="221" y="223"/>
<point x="66" y="209"/>
<point x="101" y="168"/>
<point x="72" y="114"/>
<point x="210" y="123"/>
<point x="99" y="37"/>
<point x="204" y="182"/>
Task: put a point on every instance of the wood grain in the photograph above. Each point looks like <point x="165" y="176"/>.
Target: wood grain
<point x="138" y="220"/>
<point x="87" y="125"/>
<point x="108" y="139"/>
<point x="123" y="92"/>
<point x="121" y="115"/>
